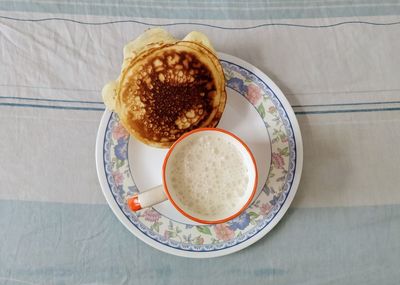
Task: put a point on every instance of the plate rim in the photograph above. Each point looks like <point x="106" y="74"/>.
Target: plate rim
<point x="279" y="215"/>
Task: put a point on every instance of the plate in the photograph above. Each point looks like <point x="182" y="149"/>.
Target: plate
<point x="256" y="111"/>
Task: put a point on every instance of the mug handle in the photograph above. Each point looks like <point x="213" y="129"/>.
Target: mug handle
<point x="147" y="198"/>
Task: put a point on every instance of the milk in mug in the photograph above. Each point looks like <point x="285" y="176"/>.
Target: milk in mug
<point x="208" y="175"/>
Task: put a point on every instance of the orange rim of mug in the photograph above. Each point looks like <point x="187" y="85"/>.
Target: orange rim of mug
<point x="183" y="211"/>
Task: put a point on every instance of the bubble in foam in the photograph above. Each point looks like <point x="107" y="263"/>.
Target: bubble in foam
<point x="205" y="183"/>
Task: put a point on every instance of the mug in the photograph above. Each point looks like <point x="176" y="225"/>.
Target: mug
<point x="209" y="175"/>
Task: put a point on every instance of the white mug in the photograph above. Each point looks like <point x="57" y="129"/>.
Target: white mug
<point x="178" y="195"/>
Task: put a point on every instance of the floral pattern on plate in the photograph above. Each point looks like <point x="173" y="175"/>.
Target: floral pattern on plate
<point x="250" y="222"/>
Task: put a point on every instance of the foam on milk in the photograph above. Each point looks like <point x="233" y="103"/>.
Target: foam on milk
<point x="208" y="175"/>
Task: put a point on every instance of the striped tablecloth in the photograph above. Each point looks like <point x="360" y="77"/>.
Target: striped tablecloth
<point x="338" y="63"/>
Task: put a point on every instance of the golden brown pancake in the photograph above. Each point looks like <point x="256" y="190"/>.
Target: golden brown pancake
<point x="169" y="89"/>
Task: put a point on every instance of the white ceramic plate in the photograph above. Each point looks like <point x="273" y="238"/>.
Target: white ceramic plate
<point x="256" y="111"/>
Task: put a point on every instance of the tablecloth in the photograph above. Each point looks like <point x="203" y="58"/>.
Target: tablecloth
<point x="337" y="62"/>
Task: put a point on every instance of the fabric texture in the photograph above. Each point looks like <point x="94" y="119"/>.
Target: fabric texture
<point x="337" y="63"/>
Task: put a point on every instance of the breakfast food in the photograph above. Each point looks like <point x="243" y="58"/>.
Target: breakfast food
<point x="209" y="176"/>
<point x="167" y="87"/>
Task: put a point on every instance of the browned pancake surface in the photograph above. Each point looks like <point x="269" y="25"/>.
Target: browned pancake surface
<point x="171" y="92"/>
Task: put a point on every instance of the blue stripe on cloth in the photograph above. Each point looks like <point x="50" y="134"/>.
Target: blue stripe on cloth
<point x="51" y="100"/>
<point x="7" y="104"/>
<point x="346" y="104"/>
<point x="293" y="106"/>
<point x="52" y="107"/>
<point x="44" y="87"/>
<point x="54" y="243"/>
<point x="346" y="111"/>
<point x="211" y="10"/>
<point x="99" y="23"/>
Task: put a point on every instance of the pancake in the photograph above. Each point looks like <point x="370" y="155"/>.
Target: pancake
<point x="167" y="88"/>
